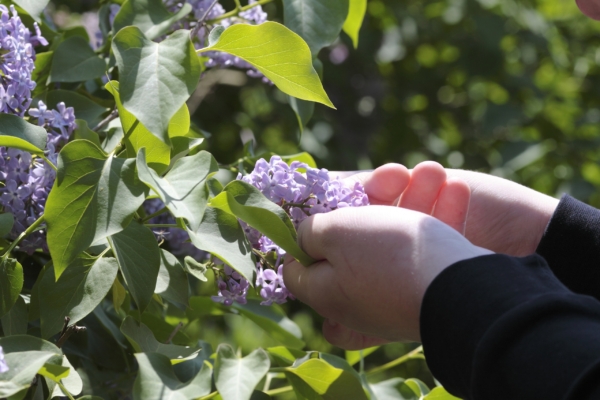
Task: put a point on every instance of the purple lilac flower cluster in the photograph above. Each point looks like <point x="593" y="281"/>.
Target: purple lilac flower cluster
<point x="26" y="181"/>
<point x="177" y="239"/>
<point x="16" y="62"/>
<point x="301" y="194"/>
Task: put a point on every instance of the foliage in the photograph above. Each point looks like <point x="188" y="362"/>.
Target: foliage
<point x="116" y="222"/>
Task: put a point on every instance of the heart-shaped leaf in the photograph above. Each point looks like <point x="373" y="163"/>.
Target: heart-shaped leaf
<point x="237" y="377"/>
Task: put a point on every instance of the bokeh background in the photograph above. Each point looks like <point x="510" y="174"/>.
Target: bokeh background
<point x="505" y="87"/>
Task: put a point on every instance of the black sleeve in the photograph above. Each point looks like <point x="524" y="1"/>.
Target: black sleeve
<point x="501" y="327"/>
<point x="571" y="246"/>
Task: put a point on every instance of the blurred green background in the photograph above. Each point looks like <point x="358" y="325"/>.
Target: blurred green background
<point x="505" y="87"/>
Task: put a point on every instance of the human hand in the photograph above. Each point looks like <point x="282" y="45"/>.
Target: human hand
<point x="426" y="189"/>
<point x="503" y="216"/>
<point x="375" y="264"/>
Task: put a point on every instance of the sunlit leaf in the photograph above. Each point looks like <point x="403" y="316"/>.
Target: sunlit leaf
<point x="184" y="193"/>
<point x="220" y="234"/>
<point x="237" y="377"/>
<point x="157" y="381"/>
<point x="155" y="78"/>
<point x="94" y="196"/>
<point x="277" y="52"/>
<point x="354" y="20"/>
<point x="248" y="204"/>
<point x="33" y="7"/>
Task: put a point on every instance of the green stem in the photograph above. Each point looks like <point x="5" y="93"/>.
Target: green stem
<point x="234" y="13"/>
<point x="27" y="232"/>
<point x="149" y="217"/>
<point x="415" y="354"/>
<point x="65" y="391"/>
<point x="43" y="157"/>
<point x="274" y="392"/>
<point x="238" y="5"/>
<point x="162" y="226"/>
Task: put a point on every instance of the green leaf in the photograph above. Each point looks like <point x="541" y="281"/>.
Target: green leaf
<point x="6" y="223"/>
<point x="398" y="388"/>
<point x="157" y="381"/>
<point x="172" y="281"/>
<point x="11" y="283"/>
<point x="33" y="7"/>
<point x="277" y="52"/>
<point x="20" y="134"/>
<point x="304" y="110"/>
<point x="138" y="256"/>
<point x="236" y="378"/>
<point x="138" y="137"/>
<point x="248" y="204"/>
<point x="195" y="268"/>
<point x="94" y="196"/>
<point x="85" y="108"/>
<point x="143" y="341"/>
<point x="439" y="393"/>
<point x="79" y="290"/>
<point x="151" y="16"/>
<point x="184" y="193"/>
<point x="75" y="61"/>
<point x="72" y="382"/>
<point x="54" y="372"/>
<point x="354" y="356"/>
<point x="83" y="132"/>
<point x="41" y="72"/>
<point x="25" y="356"/>
<point x="220" y="234"/>
<point x="156" y="79"/>
<point x="284" y="356"/>
<point x="15" y="321"/>
<point x="354" y="20"/>
<point x="318" y="22"/>
<point x="274" y="321"/>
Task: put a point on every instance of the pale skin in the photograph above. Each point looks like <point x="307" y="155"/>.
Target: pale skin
<point x="377" y="262"/>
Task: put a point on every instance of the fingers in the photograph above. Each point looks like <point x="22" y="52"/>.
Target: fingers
<point x="453" y="204"/>
<point x="386" y="184"/>
<point x="348" y="339"/>
<point x="426" y="181"/>
<point x="311" y="285"/>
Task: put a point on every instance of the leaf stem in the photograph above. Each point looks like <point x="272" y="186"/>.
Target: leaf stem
<point x="415" y="354"/>
<point x="172" y="335"/>
<point x="209" y="396"/>
<point x="25" y="233"/>
<point x="149" y="217"/>
<point x="64" y="390"/>
<point x="200" y="22"/>
<point x="50" y="163"/>
<point x="235" y="12"/>
<point x="114" y="114"/>
<point x="274" y="392"/>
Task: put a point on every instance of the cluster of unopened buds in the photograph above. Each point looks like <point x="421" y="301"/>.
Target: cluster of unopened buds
<point x="301" y="191"/>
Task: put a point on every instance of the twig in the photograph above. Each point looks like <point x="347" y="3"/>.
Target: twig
<point x="67" y="331"/>
<point x="200" y="22"/>
<point x="235" y="12"/>
<point x="114" y="114"/>
<point x="172" y="335"/>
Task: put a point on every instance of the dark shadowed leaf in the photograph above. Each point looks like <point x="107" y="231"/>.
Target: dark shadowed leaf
<point x="11" y="283"/>
<point x="75" y="61"/>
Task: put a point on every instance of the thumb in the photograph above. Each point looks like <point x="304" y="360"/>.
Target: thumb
<point x="308" y="284"/>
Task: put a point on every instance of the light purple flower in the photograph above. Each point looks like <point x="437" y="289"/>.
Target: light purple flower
<point x="3" y="366"/>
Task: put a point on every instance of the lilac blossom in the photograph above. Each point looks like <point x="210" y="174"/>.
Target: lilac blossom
<point x="302" y="191"/>
<point x="233" y="288"/>
<point x="26" y="181"/>
<point x="17" y="61"/>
